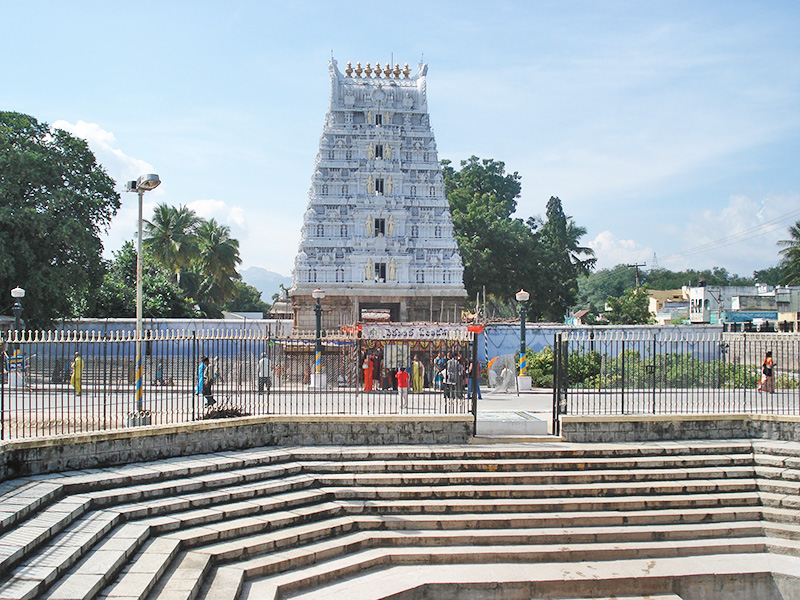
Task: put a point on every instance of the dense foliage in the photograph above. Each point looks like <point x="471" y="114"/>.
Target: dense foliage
<point x="632" y="308"/>
<point x="55" y="201"/>
<point x="202" y="256"/>
<point x="116" y="297"/>
<point x="593" y="370"/>
<point x="502" y="253"/>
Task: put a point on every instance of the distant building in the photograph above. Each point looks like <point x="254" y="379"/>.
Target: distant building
<point x="377" y="235"/>
<point x="668" y="306"/>
<point x="759" y="307"/>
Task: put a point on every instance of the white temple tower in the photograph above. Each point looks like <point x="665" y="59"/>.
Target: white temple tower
<point x="377" y="236"/>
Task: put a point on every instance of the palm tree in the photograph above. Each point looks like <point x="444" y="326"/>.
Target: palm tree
<point x="576" y="251"/>
<point x="791" y="255"/>
<point x="217" y="259"/>
<point x="171" y="237"/>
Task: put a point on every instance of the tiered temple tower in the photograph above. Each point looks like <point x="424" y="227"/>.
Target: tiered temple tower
<point x="377" y="236"/>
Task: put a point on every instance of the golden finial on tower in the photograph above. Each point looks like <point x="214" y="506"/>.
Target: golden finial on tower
<point x="349" y="69"/>
<point x="397" y="70"/>
<point x="368" y="71"/>
<point x="377" y="69"/>
<point x="387" y="70"/>
<point x="359" y="70"/>
<point x="406" y="71"/>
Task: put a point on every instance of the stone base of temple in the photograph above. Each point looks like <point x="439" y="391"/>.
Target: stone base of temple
<point x="438" y="306"/>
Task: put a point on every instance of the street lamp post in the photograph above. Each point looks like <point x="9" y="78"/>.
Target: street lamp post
<point x="319" y="367"/>
<point x="16" y="362"/>
<point x="17" y="293"/>
<point x="524" y="381"/>
<point x="145" y="183"/>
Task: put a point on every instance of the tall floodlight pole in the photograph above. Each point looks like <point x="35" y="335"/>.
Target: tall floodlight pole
<point x="522" y="297"/>
<point x="319" y="367"/>
<point x="145" y="183"/>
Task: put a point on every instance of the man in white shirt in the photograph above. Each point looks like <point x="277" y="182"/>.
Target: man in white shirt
<point x="264" y="378"/>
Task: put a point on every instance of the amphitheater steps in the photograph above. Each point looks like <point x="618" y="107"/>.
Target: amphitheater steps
<point x="194" y="527"/>
<point x="204" y="524"/>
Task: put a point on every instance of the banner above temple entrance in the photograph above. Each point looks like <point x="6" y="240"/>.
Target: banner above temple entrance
<point x="417" y="331"/>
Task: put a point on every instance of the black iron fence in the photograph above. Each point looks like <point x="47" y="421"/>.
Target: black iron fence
<point x="43" y="391"/>
<point x="617" y="371"/>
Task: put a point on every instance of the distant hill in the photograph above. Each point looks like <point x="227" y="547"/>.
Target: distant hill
<point x="266" y="282"/>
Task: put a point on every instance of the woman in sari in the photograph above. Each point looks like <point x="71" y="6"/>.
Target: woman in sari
<point x="417" y="375"/>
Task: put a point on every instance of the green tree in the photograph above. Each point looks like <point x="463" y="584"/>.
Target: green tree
<point x="632" y="308"/>
<point x="790" y="256"/>
<point x="171" y="237"/>
<point x="215" y="267"/>
<point x="116" y="296"/>
<point x="771" y="275"/>
<point x="55" y="201"/>
<point x="500" y="252"/>
<point x="596" y="287"/>
<point x="564" y="259"/>
<point x="247" y="299"/>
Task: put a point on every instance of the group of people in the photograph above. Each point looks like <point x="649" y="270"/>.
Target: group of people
<point x="451" y="373"/>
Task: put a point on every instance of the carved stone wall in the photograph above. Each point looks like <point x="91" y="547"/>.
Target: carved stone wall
<point x="378" y="225"/>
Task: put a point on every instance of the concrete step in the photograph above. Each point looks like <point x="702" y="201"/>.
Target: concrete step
<point x="516" y="478"/>
<point x="22" y="498"/>
<point x="141" y="575"/>
<point x="38" y="571"/>
<point x="712" y="576"/>
<point x="98" y="568"/>
<point x="129" y="539"/>
<point x="184" y="580"/>
<point x="624" y="503"/>
<point x="29" y="535"/>
<point x="345" y="537"/>
<point x="502" y="464"/>
<point x="650" y="488"/>
<point x="316" y="574"/>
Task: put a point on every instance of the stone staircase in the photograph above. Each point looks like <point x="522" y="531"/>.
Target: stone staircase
<point x="549" y="520"/>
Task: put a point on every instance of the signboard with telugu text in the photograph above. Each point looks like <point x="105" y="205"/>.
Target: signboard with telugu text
<point x="425" y="331"/>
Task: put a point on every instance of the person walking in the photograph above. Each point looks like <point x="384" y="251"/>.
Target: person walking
<point x="264" y="379"/>
<point x="402" y="388"/>
<point x="767" y="383"/>
<point x="76" y="376"/>
<point x="205" y="379"/>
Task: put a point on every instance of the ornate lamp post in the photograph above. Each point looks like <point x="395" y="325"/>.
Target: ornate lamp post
<point x="17" y="293"/>
<point x="522" y="297"/>
<point x="145" y="183"/>
<point x="319" y="367"/>
<point x="16" y="362"/>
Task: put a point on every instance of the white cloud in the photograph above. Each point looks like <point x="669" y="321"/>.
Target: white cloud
<point x="741" y="236"/>
<point x="612" y="251"/>
<point x="118" y="164"/>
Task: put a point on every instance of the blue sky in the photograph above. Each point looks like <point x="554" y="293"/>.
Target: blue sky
<point x="668" y="129"/>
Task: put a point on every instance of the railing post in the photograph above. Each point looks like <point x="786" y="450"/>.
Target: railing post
<point x="2" y="389"/>
<point x="474" y="376"/>
<point x="623" y="376"/>
<point x="557" y="386"/>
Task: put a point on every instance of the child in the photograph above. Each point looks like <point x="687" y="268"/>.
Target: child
<point x="402" y="388"/>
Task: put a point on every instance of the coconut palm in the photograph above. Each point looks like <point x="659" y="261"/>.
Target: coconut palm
<point x="171" y="238"/>
<point x="790" y="254"/>
<point x="217" y="259"/>
<point x="582" y="257"/>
